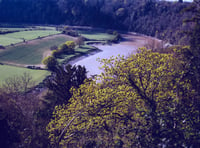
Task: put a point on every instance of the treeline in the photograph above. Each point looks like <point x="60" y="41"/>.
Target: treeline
<point x="30" y="11"/>
<point x="154" y="18"/>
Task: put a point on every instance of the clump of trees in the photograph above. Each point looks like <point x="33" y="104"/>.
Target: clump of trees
<point x="67" y="48"/>
<point x="142" y="16"/>
<point x="80" y="41"/>
<point x="68" y="30"/>
<point x="58" y="86"/>
<point x="63" y="79"/>
<point x="50" y="62"/>
<point x="25" y="112"/>
<point x="142" y="101"/>
<point x="117" y="37"/>
<point x="17" y="109"/>
<point x="150" y="99"/>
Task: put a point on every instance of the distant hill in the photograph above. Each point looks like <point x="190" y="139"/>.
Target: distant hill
<point x="152" y="17"/>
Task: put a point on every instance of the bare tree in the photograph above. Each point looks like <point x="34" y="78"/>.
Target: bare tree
<point x="18" y="85"/>
<point x="80" y="41"/>
<point x="154" y="44"/>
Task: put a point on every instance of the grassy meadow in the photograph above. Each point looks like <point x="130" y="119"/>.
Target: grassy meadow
<point x="96" y="35"/>
<point x="7" y="71"/>
<point x="31" y="53"/>
<point x="28" y="46"/>
<point x="17" y="37"/>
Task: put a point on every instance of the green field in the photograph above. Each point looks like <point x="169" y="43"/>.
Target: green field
<point x="37" y="47"/>
<point x="10" y="71"/>
<point x="96" y="35"/>
<point x="5" y="41"/>
<point x="16" y="37"/>
<point x="30" y="53"/>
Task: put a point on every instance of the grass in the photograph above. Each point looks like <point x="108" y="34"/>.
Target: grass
<point x="85" y="48"/>
<point x="96" y="35"/>
<point x="5" y="41"/>
<point x="30" y="53"/>
<point x="45" y="27"/>
<point x="80" y="51"/>
<point x="10" y="71"/>
<point x="16" y="37"/>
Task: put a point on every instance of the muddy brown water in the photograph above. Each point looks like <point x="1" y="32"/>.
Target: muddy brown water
<point x="129" y="46"/>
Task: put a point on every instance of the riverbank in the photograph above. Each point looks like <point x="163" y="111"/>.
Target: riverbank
<point x="131" y="42"/>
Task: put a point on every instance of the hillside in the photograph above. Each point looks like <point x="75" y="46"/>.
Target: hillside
<point x="155" y="18"/>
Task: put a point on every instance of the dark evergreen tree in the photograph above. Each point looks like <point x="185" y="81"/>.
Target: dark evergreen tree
<point x="63" y="79"/>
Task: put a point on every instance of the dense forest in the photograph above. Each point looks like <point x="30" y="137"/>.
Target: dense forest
<point x="155" y="18"/>
<point x="150" y="99"/>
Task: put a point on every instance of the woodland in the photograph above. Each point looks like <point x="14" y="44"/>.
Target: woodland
<point x="151" y="17"/>
<point x="147" y="100"/>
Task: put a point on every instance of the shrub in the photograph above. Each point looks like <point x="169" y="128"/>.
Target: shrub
<point x="55" y="53"/>
<point x="50" y="62"/>
<point x="70" y="44"/>
<point x="63" y="48"/>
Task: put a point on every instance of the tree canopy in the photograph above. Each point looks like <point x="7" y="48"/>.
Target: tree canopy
<point x="141" y="101"/>
<point x="159" y="16"/>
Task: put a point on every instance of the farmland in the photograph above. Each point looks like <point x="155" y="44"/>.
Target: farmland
<point x="16" y="37"/>
<point x="31" y="52"/>
<point x="7" y="71"/>
<point x="97" y="35"/>
<point x="29" y="45"/>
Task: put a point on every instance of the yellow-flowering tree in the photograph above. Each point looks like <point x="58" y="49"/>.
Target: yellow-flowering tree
<point x="134" y="103"/>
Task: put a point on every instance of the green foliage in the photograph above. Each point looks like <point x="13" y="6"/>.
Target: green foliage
<point x="7" y="72"/>
<point x="192" y="54"/>
<point x="70" y="44"/>
<point x="50" y="62"/>
<point x="117" y="37"/>
<point x="143" y="16"/>
<point x="63" y="48"/>
<point x="63" y="79"/>
<point x="141" y="101"/>
<point x="55" y="53"/>
<point x="32" y="52"/>
<point x="68" y="48"/>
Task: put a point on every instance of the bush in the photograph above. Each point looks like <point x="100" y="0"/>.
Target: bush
<point x="55" y="53"/>
<point x="67" y="47"/>
<point x="63" y="48"/>
<point x="50" y="62"/>
<point x="70" y="44"/>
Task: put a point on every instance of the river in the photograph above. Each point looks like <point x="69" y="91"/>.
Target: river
<point x="129" y="46"/>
